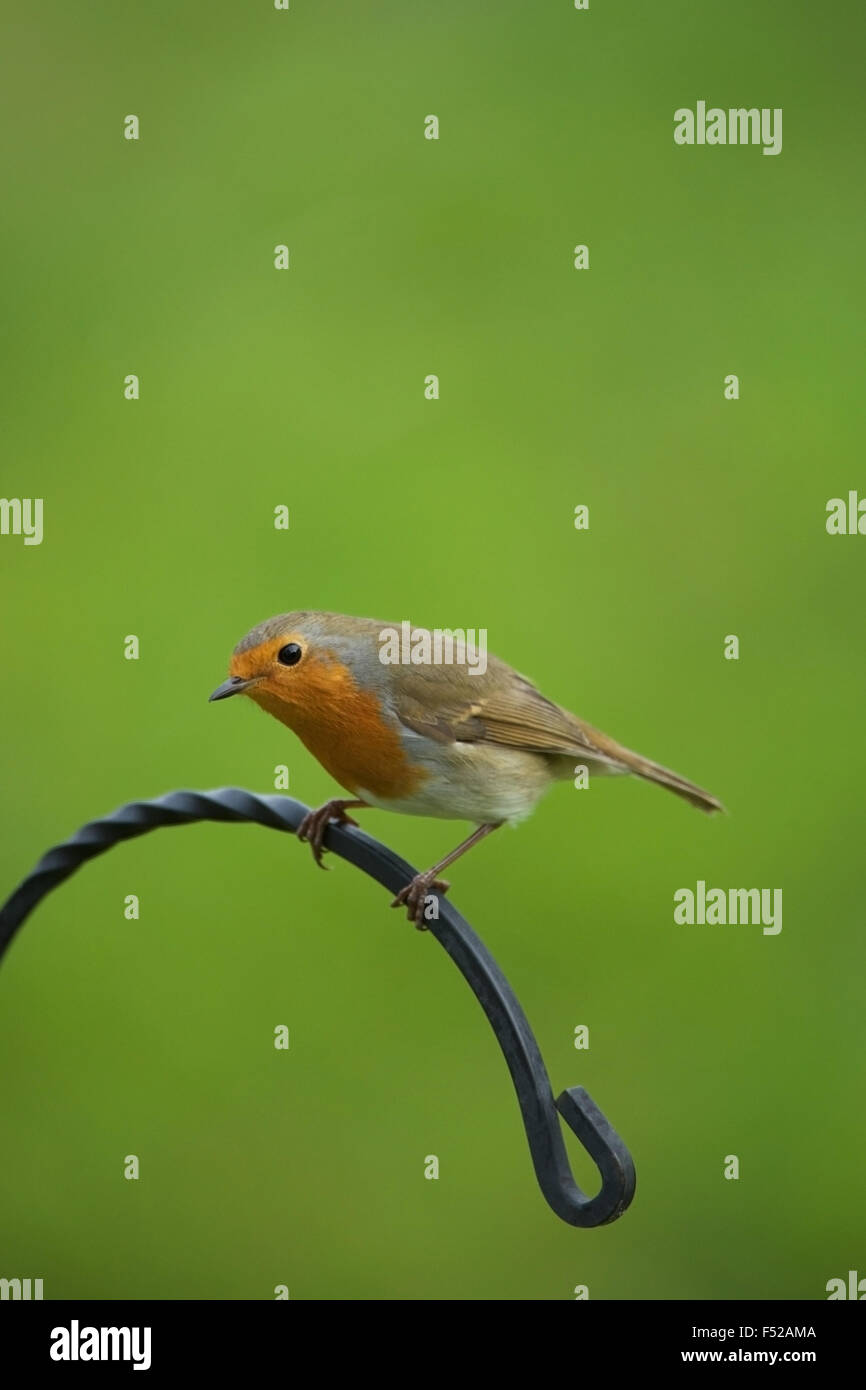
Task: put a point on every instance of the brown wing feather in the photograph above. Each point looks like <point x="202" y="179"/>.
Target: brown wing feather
<point x="504" y="708"/>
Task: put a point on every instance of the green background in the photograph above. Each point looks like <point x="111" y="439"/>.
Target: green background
<point x="558" y="387"/>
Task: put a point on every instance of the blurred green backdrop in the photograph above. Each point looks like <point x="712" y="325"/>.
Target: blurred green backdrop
<point x="306" y="388"/>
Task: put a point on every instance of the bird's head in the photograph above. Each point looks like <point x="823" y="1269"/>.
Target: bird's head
<point x="299" y="666"/>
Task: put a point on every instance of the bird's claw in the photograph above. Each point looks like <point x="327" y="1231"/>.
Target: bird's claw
<point x="414" y="897"/>
<point x="312" y="828"/>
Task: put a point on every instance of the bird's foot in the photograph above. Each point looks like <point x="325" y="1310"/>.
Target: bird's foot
<point x="414" y="896"/>
<point x="312" y="828"/>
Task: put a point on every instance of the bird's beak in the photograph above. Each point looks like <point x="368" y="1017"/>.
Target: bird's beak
<point x="235" y="685"/>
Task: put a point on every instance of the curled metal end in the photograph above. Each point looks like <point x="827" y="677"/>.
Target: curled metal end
<point x="608" y="1153"/>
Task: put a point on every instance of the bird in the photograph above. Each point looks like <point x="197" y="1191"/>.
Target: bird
<point x="444" y="739"/>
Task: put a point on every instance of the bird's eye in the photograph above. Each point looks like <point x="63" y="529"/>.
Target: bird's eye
<point x="289" y="655"/>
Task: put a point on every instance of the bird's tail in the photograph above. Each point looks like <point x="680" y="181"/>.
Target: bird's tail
<point x="654" y="772"/>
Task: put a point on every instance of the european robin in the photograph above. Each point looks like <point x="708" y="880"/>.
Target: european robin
<point x="446" y="740"/>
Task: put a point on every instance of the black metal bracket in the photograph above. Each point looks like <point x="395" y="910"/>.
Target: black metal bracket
<point x="453" y="933"/>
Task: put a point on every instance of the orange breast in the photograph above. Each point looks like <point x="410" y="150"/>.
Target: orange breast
<point x="343" y="728"/>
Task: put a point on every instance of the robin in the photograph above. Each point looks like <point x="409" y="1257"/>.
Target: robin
<point x="449" y="740"/>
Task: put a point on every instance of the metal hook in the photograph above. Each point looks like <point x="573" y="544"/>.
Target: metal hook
<point x="454" y="934"/>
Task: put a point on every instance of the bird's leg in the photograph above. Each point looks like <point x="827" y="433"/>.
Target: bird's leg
<point x="314" y="824"/>
<point x="414" y="894"/>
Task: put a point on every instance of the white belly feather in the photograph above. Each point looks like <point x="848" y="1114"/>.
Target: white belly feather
<point x="471" y="781"/>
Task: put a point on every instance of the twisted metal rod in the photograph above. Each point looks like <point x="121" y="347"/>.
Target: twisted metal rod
<point x="451" y="930"/>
